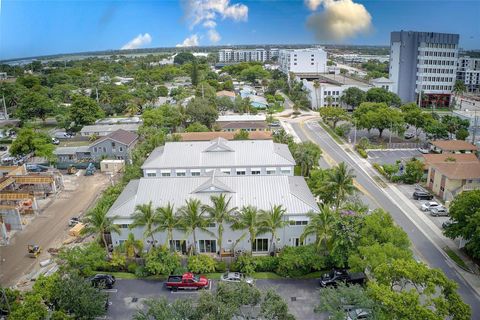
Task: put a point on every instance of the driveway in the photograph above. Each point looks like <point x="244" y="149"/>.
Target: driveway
<point x="129" y="295"/>
<point x="391" y="156"/>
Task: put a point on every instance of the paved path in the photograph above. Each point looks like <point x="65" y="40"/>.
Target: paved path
<point x="49" y="228"/>
<point x="423" y="239"/>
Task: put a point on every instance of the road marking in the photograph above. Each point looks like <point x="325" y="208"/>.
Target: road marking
<point x="110" y="290"/>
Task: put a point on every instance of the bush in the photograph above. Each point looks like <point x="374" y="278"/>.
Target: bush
<point x="265" y="264"/>
<point x="220" y="266"/>
<point x="245" y="263"/>
<point x="201" y="263"/>
<point x="141" y="272"/>
<point x="361" y="152"/>
<point x="160" y="261"/>
<point x="248" y="264"/>
<point x="85" y="259"/>
<point x="132" y="268"/>
<point x="299" y="261"/>
<point x="343" y="129"/>
<point x="363" y="143"/>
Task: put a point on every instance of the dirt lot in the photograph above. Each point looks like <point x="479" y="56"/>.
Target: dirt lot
<point x="50" y="227"/>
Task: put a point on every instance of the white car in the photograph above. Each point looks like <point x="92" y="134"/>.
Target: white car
<point x="427" y="206"/>
<point x="236" y="277"/>
<point x="439" y="212"/>
<point x="423" y="150"/>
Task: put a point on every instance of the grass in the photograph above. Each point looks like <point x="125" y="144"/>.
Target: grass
<point x="297" y="170"/>
<point x="331" y="132"/>
<point x="456" y="258"/>
<point x="74" y="143"/>
<point x="380" y="181"/>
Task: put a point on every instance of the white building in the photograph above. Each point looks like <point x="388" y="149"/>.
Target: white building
<point x="311" y="61"/>
<point x="242" y="55"/>
<point x="468" y="72"/>
<point x="423" y="62"/>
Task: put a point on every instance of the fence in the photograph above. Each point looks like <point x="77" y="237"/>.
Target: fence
<point x="405" y="145"/>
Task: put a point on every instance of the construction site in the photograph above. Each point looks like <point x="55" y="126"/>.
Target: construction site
<point x="21" y="195"/>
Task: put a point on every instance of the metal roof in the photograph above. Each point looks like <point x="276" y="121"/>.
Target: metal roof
<point x="110" y="127"/>
<point x="214" y="154"/>
<point x="261" y="192"/>
<point x="71" y="150"/>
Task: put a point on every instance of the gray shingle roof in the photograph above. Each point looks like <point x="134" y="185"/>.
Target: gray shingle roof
<point x="260" y="191"/>
<point x="194" y="154"/>
<point x="122" y="136"/>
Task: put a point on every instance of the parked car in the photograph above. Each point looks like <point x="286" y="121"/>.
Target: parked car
<point x="421" y="194"/>
<point x="237" y="277"/>
<point x="409" y="135"/>
<point x="424" y="150"/>
<point x="437" y="212"/>
<point x="55" y="141"/>
<point x="336" y="276"/>
<point x="446" y="224"/>
<point x="357" y="314"/>
<point x="427" y="206"/>
<point x="73" y="221"/>
<point x="275" y="124"/>
<point x="63" y="135"/>
<point x="36" y="168"/>
<point x="187" y="281"/>
<point x="3" y="148"/>
<point x="105" y="281"/>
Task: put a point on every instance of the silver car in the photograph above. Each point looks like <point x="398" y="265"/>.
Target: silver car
<point x="237" y="277"/>
<point x="439" y="211"/>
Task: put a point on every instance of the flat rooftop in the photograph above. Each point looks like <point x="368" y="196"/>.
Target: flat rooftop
<point x="341" y="80"/>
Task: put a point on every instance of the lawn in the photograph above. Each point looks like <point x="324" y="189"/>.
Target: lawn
<point x="332" y="133"/>
<point x="68" y="143"/>
<point x="456" y="258"/>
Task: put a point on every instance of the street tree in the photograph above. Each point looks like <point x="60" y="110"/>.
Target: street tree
<point x="436" y="130"/>
<point x="146" y="216"/>
<point x="321" y="225"/>
<point x="34" y="105"/>
<point x="414" y="116"/>
<point x="28" y="140"/>
<point x="333" y="115"/>
<point x="193" y="217"/>
<point x="465" y="216"/>
<point x="454" y="123"/>
<point x="381" y="95"/>
<point x="340" y="182"/>
<point x="306" y="155"/>
<point x="353" y="97"/>
<point x="413" y="171"/>
<point x="220" y="212"/>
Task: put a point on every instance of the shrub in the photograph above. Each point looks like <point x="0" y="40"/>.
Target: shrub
<point x="299" y="261"/>
<point x="265" y="264"/>
<point x="245" y="263"/>
<point x="363" y="143"/>
<point x="132" y="268"/>
<point x="361" y="152"/>
<point x="160" y="261"/>
<point x="220" y="266"/>
<point x="201" y="263"/>
<point x="86" y="258"/>
<point x="141" y="272"/>
<point x="343" y="129"/>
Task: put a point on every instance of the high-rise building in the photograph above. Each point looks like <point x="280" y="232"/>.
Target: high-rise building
<point x="245" y="55"/>
<point x="423" y="62"/>
<point x="468" y="71"/>
<point x="311" y="61"/>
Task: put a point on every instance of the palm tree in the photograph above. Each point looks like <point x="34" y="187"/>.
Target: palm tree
<point x="272" y="220"/>
<point x="220" y="213"/>
<point x="306" y="155"/>
<point x="168" y="221"/>
<point x="316" y="85"/>
<point x="192" y="217"/>
<point x="145" y="216"/>
<point x="99" y="223"/>
<point x="249" y="220"/>
<point x="132" y="247"/>
<point x="321" y="224"/>
<point x="340" y="181"/>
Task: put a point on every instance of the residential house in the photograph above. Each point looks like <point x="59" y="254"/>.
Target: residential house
<point x="117" y="145"/>
<point x="452" y="146"/>
<point x="262" y="192"/>
<point x="225" y="93"/>
<point x="237" y="157"/>
<point x="231" y="123"/>
<point x="450" y="173"/>
<point x="101" y="130"/>
<point x="73" y="154"/>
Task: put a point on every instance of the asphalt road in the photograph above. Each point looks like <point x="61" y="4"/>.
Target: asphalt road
<point x="423" y="244"/>
<point x="128" y="296"/>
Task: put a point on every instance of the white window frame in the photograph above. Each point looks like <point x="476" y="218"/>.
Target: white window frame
<point x="259" y="170"/>
<point x="165" y="173"/>
<point x="150" y="173"/>
<point x="226" y="171"/>
<point x="180" y="173"/>
<point x="286" y="170"/>
<point x="271" y="171"/>
<point x="264" y="240"/>
<point x="244" y="170"/>
<point x="195" y="173"/>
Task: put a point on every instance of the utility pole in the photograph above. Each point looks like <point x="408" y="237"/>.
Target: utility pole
<point x="474" y="127"/>
<point x="4" y="106"/>
<point x="96" y="91"/>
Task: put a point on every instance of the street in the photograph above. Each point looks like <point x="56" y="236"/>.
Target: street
<point x="424" y="241"/>
<point x="129" y="295"/>
<point x="49" y="228"/>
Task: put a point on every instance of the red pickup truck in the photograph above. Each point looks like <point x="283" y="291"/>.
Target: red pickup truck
<point x="187" y="281"/>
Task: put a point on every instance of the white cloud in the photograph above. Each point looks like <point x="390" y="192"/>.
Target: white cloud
<point x="191" y="41"/>
<point x="198" y="11"/>
<point x="137" y="42"/>
<point x="340" y="19"/>
<point x="313" y="4"/>
<point x="213" y="35"/>
<point x="209" y="24"/>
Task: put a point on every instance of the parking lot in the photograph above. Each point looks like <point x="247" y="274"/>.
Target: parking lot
<point x="128" y="296"/>
<point x="391" y="156"/>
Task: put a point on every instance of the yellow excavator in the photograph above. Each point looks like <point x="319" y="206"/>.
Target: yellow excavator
<point x="34" y="250"/>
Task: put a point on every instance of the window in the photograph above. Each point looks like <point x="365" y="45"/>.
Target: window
<point x="123" y="226"/>
<point x="151" y="174"/>
<point x="207" y="246"/>
<point x="113" y="144"/>
<point x="298" y="222"/>
<point x="180" y="173"/>
<point x="271" y="170"/>
<point x="104" y="149"/>
<point x="121" y="149"/>
<point x="296" y="242"/>
<point x="165" y="173"/>
<point x="94" y="149"/>
<point x="260" y="245"/>
<point x="285" y="171"/>
<point x="178" y="245"/>
<point x="225" y="171"/>
<point x="195" y="173"/>
<point x="255" y="171"/>
<point x="241" y="172"/>
<point x="211" y="225"/>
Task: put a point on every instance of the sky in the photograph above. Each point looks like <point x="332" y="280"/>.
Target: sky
<point x="36" y="27"/>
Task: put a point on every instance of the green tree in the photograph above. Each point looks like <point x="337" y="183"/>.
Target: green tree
<point x="205" y="91"/>
<point x="132" y="247"/>
<point x="220" y="212"/>
<point x="201" y="110"/>
<point x="84" y="111"/>
<point x="28" y="141"/>
<point x="378" y="115"/>
<point x="272" y="220"/>
<point x="281" y="136"/>
<point x="98" y="223"/>
<point x="333" y="114"/>
<point x="436" y="130"/>
<point x="381" y="95"/>
<point x="183" y="57"/>
<point x="194" y="72"/>
<point x="193" y="219"/>
<point x="197" y="127"/>
<point x="249" y="219"/>
<point x="181" y="309"/>
<point x="318" y="184"/>
<point x="253" y="73"/>
<point x="85" y="259"/>
<point x="168" y="221"/>
<point x="161" y="261"/>
<point x="459" y="87"/>
<point x="306" y="154"/>
<point x="353" y="97"/>
<point x="241" y="135"/>
<point x="165" y="116"/>
<point x="273" y="307"/>
<point x="413" y="171"/>
<point x="31" y="308"/>
<point x="462" y="134"/>
<point x="34" y="105"/>
<point x="147" y="217"/>
<point x="465" y="216"/>
<point x="414" y="116"/>
<point x="454" y="123"/>
<point x="321" y="225"/>
<point x="340" y="182"/>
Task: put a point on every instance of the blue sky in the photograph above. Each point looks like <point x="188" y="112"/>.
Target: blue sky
<point x="31" y="28"/>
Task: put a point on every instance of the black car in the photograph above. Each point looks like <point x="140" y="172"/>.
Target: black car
<point x="3" y="148"/>
<point x="105" y="281"/>
<point x="419" y="194"/>
<point x="336" y="276"/>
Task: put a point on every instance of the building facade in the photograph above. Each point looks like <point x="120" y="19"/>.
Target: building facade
<point x="468" y="72"/>
<point x="423" y="62"/>
<point x="309" y="61"/>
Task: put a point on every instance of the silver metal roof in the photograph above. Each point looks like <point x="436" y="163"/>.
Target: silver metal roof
<point x="110" y="127"/>
<point x="260" y="191"/>
<point x="219" y="153"/>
